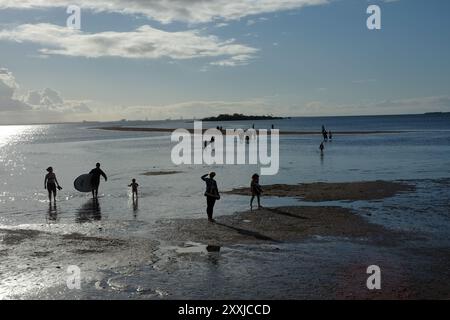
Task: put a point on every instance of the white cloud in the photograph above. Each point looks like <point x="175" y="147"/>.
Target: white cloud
<point x="42" y="105"/>
<point x="51" y="100"/>
<point x="233" y="61"/>
<point x="8" y="88"/>
<point x="166" y="11"/>
<point x="221" y="25"/>
<point x="145" y="43"/>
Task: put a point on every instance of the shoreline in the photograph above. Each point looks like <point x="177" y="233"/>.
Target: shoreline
<point x="137" y="129"/>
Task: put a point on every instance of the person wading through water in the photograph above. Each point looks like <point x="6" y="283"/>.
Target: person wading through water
<point x="95" y="180"/>
<point x="51" y="183"/>
<point x="211" y="194"/>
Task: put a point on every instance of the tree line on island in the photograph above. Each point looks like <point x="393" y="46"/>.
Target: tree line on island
<point x="239" y="116"/>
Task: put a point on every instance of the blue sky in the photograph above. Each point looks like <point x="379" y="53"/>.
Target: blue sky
<point x="167" y="59"/>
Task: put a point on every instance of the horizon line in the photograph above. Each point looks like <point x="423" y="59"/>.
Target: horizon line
<point x="193" y="119"/>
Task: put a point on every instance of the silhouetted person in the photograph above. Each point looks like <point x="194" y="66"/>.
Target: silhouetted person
<point x="324" y="133"/>
<point x="330" y="135"/>
<point x="211" y="194"/>
<point x="273" y="127"/>
<point x="247" y="139"/>
<point x="321" y="147"/>
<point x="256" y="191"/>
<point x="51" y="183"/>
<point x="134" y="188"/>
<point x="95" y="180"/>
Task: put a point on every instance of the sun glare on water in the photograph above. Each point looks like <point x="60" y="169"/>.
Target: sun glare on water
<point x="10" y="134"/>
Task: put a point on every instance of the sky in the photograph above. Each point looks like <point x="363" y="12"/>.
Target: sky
<point x="160" y="59"/>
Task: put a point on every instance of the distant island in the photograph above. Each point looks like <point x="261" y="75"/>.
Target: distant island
<point x="238" y="116"/>
<point x="438" y="113"/>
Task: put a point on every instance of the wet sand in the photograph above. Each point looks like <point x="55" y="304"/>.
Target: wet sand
<point x="320" y="191"/>
<point x="292" y="252"/>
<point x="159" y="173"/>
<point x="274" y="225"/>
<point x="323" y="251"/>
<point x="282" y="132"/>
<point x="275" y="253"/>
<point x="33" y="260"/>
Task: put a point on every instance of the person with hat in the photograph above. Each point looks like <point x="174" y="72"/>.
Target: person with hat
<point x="51" y="183"/>
<point x="211" y="194"/>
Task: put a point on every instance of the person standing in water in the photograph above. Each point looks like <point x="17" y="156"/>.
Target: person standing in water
<point x="51" y="183"/>
<point x="134" y="187"/>
<point x="211" y="194"/>
<point x="95" y="180"/>
<point x="256" y="191"/>
<point x="324" y="133"/>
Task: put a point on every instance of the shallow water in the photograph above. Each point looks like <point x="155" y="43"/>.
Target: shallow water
<point x="421" y="157"/>
<point x="73" y="149"/>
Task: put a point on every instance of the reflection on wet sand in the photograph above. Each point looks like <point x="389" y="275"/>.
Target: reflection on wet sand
<point x="89" y="211"/>
<point x="133" y="203"/>
<point x="135" y="206"/>
<point x="52" y="213"/>
<point x="213" y="254"/>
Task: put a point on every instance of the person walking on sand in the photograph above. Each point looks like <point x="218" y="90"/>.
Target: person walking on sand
<point x="211" y="194"/>
<point x="134" y="187"/>
<point x="256" y="189"/>
<point x="95" y="180"/>
<point x="51" y="183"/>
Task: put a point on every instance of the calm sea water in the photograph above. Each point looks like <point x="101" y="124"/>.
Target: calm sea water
<point x="421" y="152"/>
